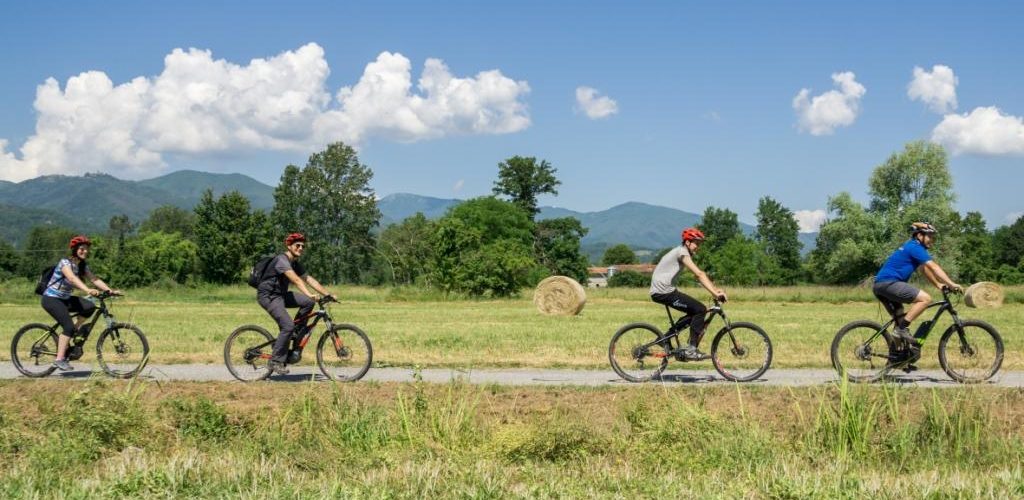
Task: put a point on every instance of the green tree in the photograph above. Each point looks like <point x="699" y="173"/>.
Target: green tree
<point x="44" y="246"/>
<point x="631" y="279"/>
<point x="977" y="261"/>
<point x="153" y="257"/>
<point x="742" y="261"/>
<point x="1008" y="244"/>
<point x="170" y="219"/>
<point x="331" y="202"/>
<point x="558" y="247"/>
<point x="230" y="236"/>
<point x="719" y="225"/>
<point x="407" y="248"/>
<point x="850" y="245"/>
<point x="120" y="227"/>
<point x="523" y="179"/>
<point x="778" y="234"/>
<point x="9" y="260"/>
<point x="618" y="254"/>
<point x="483" y="247"/>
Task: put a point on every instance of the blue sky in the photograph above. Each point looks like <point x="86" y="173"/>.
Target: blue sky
<point x="704" y="111"/>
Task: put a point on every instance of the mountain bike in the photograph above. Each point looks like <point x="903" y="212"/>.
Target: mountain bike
<point x="121" y="350"/>
<point x="740" y="351"/>
<point x="343" y="353"/>
<point x="969" y="350"/>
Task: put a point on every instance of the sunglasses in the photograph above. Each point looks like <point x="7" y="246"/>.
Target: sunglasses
<point x="299" y="245"/>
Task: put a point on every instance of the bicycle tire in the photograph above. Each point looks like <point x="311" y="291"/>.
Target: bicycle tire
<point x="256" y="368"/>
<point x="341" y="362"/>
<point x="975" y="329"/>
<point x="20" y="360"/>
<point x="861" y="365"/>
<point x="741" y="352"/>
<point x="623" y="350"/>
<point x="126" y="358"/>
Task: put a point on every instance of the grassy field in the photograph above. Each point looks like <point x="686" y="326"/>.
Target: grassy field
<point x="411" y="440"/>
<point x="417" y="327"/>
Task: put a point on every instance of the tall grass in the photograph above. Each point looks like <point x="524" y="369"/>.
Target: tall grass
<point x="420" y="440"/>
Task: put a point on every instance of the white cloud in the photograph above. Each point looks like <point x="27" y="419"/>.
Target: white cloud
<point x="201" y="106"/>
<point x="458" y="185"/>
<point x="595" y="107"/>
<point x="936" y="89"/>
<point x="983" y="131"/>
<point x="822" y="114"/>
<point x="1013" y="216"/>
<point x="810" y="220"/>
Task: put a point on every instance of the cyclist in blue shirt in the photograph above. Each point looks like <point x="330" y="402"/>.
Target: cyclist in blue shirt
<point x="892" y="289"/>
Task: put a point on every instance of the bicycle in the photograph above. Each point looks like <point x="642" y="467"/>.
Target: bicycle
<point x="740" y="351"/>
<point x="248" y="349"/>
<point x="873" y="351"/>
<point x="121" y="349"/>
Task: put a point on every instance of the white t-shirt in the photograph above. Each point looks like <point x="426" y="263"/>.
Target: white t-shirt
<point x="663" y="280"/>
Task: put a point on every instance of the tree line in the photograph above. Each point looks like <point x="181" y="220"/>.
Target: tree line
<point x="487" y="246"/>
<point x="911" y="185"/>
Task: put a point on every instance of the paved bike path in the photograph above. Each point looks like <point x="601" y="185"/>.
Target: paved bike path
<point x="682" y="378"/>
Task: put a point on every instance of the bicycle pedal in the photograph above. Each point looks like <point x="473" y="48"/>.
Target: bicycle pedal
<point x="909" y="368"/>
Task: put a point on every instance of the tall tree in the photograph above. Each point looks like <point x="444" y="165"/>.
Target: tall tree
<point x="618" y="254"/>
<point x="229" y="236"/>
<point x="331" y="202"/>
<point x="523" y="179"/>
<point x="1008" y="244"/>
<point x="558" y="247"/>
<point x="778" y="234"/>
<point x="483" y="247"/>
<point x="120" y="227"/>
<point x="977" y="260"/>
<point x="850" y="245"/>
<point x="9" y="260"/>
<point x="170" y="219"/>
<point x="719" y="225"/>
<point x="44" y="246"/>
<point x="407" y="249"/>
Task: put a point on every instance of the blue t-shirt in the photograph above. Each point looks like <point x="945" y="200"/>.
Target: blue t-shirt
<point x="59" y="286"/>
<point x="903" y="262"/>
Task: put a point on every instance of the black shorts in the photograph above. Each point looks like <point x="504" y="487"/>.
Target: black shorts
<point x="893" y="294"/>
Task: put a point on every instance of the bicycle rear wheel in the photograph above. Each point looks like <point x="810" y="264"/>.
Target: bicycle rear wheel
<point x="741" y="352"/>
<point x="33" y="350"/>
<point x="344" y="353"/>
<point x="633" y="354"/>
<point x="974" y="356"/>
<point x="247" y="353"/>
<point x="122" y="350"/>
<point x="860" y="353"/>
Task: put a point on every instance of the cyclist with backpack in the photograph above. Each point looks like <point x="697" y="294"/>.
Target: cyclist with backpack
<point x="70" y="274"/>
<point x="891" y="287"/>
<point x="664" y="291"/>
<point x="272" y="293"/>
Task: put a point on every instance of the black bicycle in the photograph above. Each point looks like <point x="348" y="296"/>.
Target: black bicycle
<point x="343" y="353"/>
<point x="969" y="350"/>
<point x="121" y="350"/>
<point x="740" y="351"/>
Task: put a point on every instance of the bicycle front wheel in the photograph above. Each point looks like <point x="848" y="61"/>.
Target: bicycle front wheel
<point x="122" y="350"/>
<point x="634" y="355"/>
<point x="344" y="353"/>
<point x="741" y="352"/>
<point x="247" y="353"/>
<point x="973" y="356"/>
<point x="33" y="350"/>
<point x="860" y="352"/>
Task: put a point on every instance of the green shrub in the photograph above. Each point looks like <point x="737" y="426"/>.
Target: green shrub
<point x="629" y="279"/>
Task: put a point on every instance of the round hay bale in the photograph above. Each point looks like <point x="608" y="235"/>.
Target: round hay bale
<point x="984" y="294"/>
<point x="560" y="295"/>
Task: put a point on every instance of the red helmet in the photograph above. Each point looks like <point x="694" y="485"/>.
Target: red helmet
<point x="292" y="238"/>
<point x="692" y="234"/>
<point x="79" y="240"/>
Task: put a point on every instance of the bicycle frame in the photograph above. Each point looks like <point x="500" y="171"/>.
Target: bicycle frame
<point x="78" y="340"/>
<point x="317" y="315"/>
<point x="944" y="305"/>
<point x="676" y="326"/>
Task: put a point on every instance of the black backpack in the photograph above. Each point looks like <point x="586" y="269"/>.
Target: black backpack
<point x="259" y="271"/>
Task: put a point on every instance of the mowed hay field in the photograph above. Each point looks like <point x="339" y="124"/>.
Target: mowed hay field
<point x="410" y="326"/>
<point x="116" y="439"/>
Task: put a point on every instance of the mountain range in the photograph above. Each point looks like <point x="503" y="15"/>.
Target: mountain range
<point x="88" y="202"/>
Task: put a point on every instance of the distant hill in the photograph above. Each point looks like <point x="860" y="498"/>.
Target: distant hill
<point x="189" y="185"/>
<point x="398" y="206"/>
<point x="17" y="221"/>
<point x="89" y="200"/>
